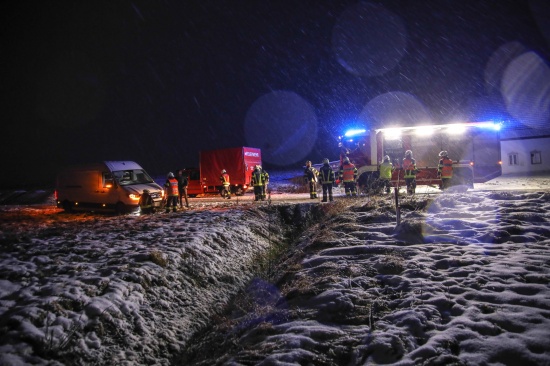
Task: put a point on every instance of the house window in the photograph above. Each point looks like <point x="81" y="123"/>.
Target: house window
<point x="536" y="157"/>
<point x="513" y="159"/>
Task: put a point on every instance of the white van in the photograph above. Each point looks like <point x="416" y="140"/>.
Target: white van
<point x="110" y="185"/>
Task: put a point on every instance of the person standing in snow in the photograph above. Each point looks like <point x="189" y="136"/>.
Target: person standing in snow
<point x="409" y="167"/>
<point x="225" y="191"/>
<point x="326" y="175"/>
<point x="348" y="174"/>
<point x="171" y="192"/>
<point x="310" y="177"/>
<point x="183" y="182"/>
<point x="385" y="169"/>
<point x="260" y="178"/>
<point x="445" y="169"/>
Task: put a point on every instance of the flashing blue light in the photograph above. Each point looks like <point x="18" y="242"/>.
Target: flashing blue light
<point x="350" y="133"/>
<point x="491" y="125"/>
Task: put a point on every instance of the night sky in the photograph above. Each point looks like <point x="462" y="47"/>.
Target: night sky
<point x="158" y="81"/>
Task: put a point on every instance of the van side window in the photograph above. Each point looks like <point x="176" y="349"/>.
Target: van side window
<point x="108" y="180"/>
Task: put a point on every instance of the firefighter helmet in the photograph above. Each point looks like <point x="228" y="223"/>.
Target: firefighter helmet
<point x="443" y="153"/>
<point x="387" y="158"/>
<point x="346" y="160"/>
<point x="408" y="153"/>
<point x="308" y="163"/>
<point x="223" y="171"/>
<point x="170" y="175"/>
<point x="326" y="161"/>
<point x="146" y="191"/>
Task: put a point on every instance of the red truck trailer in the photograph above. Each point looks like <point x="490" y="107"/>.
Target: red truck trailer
<point x="473" y="146"/>
<point x="239" y="162"/>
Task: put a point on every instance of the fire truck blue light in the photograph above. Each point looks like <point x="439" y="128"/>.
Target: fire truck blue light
<point x="351" y="133"/>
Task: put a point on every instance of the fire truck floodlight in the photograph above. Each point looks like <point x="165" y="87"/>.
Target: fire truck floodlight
<point x="424" y="131"/>
<point x="456" y="128"/>
<point x="392" y="133"/>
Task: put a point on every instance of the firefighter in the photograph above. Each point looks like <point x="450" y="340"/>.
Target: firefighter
<point x="348" y="174"/>
<point x="326" y="175"/>
<point x="225" y="191"/>
<point x="146" y="203"/>
<point x="171" y="192"/>
<point x="259" y="183"/>
<point x="445" y="169"/>
<point x="183" y="182"/>
<point x="310" y="177"/>
<point x="409" y="167"/>
<point x="385" y="169"/>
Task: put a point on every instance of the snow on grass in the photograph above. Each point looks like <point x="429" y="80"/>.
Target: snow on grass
<point x="463" y="279"/>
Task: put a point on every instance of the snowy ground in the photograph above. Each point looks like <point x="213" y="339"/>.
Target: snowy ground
<point x="463" y="279"/>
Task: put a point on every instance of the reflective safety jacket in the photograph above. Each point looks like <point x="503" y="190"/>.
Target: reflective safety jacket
<point x="225" y="179"/>
<point x="386" y="168"/>
<point x="172" y="187"/>
<point x="445" y="167"/>
<point x="310" y="174"/>
<point x="259" y="178"/>
<point x="409" y="166"/>
<point x="348" y="172"/>
<point x="326" y="174"/>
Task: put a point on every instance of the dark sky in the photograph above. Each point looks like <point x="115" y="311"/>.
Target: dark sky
<point x="158" y="81"/>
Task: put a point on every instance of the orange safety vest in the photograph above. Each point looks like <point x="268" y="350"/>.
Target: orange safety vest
<point x="446" y="167"/>
<point x="225" y="179"/>
<point x="173" y="187"/>
<point x="349" y="172"/>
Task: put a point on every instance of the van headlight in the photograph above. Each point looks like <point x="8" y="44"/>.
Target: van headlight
<point x="134" y="196"/>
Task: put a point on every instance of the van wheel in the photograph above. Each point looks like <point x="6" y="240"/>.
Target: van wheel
<point x="120" y="208"/>
<point x="67" y="206"/>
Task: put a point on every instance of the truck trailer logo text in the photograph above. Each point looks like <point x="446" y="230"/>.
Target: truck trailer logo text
<point x="250" y="153"/>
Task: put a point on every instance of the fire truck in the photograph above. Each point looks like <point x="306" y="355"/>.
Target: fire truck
<point x="474" y="148"/>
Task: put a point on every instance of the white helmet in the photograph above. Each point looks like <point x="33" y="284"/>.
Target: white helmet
<point x="223" y="171"/>
<point x="408" y="153"/>
<point x="346" y="160"/>
<point x="170" y="175"/>
<point x="443" y="153"/>
<point x="387" y="158"/>
<point x="326" y="161"/>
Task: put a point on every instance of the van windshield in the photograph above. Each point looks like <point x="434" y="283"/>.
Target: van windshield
<point x="133" y="176"/>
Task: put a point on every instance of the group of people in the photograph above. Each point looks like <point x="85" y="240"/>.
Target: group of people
<point x="325" y="175"/>
<point x="175" y="190"/>
<point x="386" y="168"/>
<point x="176" y="187"/>
<point x="348" y="175"/>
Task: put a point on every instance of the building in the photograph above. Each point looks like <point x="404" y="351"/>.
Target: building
<point x="525" y="150"/>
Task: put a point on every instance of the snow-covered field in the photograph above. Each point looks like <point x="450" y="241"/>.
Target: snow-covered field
<point x="463" y="279"/>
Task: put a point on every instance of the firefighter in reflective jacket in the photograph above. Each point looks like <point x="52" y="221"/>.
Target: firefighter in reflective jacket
<point x="326" y="175"/>
<point x="348" y="174"/>
<point x="385" y="169"/>
<point x="146" y="202"/>
<point x="409" y="167"/>
<point x="310" y="177"/>
<point x="259" y="181"/>
<point x="445" y="169"/>
<point x="172" y="192"/>
<point x="225" y="191"/>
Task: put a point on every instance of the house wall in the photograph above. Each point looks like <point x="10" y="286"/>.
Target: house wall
<point x="523" y="149"/>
